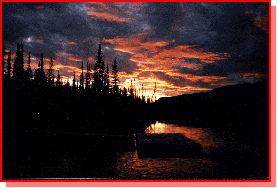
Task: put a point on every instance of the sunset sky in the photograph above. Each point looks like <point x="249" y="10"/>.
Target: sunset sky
<point x="183" y="47"/>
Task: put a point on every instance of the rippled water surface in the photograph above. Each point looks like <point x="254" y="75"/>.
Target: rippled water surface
<point x="131" y="165"/>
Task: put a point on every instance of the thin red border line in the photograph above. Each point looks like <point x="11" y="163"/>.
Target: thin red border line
<point x="1" y="100"/>
<point x="156" y="180"/>
<point x="141" y="1"/>
<point x="114" y="181"/>
<point x="270" y="88"/>
<point x="45" y="180"/>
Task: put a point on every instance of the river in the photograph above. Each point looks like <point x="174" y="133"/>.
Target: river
<point x="222" y="157"/>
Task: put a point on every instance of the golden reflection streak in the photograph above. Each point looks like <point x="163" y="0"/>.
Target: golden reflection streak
<point x="200" y="135"/>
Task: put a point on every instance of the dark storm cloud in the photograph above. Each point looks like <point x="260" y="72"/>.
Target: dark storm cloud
<point x="184" y="46"/>
<point x="219" y="28"/>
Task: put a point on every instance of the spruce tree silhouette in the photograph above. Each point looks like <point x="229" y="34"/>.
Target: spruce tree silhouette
<point x="82" y="77"/>
<point x="29" y="71"/>
<point x="115" y="79"/>
<point x="74" y="81"/>
<point x="39" y="76"/>
<point x="132" y="89"/>
<point x="50" y="72"/>
<point x="106" y="80"/>
<point x="88" y="76"/>
<point x="18" y="68"/>
<point x="42" y="73"/>
<point x="99" y="69"/>
<point x="58" y="82"/>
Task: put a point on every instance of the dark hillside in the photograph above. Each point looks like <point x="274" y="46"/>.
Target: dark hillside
<point x="243" y="109"/>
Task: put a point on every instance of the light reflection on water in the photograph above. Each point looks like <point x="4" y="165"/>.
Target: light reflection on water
<point x="203" y="136"/>
<point x="131" y="166"/>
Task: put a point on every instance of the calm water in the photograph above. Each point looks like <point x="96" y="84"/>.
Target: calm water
<point x="131" y="166"/>
<point x="221" y="157"/>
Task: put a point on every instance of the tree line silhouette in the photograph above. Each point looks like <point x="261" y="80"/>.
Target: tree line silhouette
<point x="36" y="100"/>
<point x="98" y="81"/>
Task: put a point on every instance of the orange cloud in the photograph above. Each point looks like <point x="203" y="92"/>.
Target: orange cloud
<point x="262" y="22"/>
<point x="40" y="7"/>
<point x="68" y="56"/>
<point x="253" y="75"/>
<point x="105" y="12"/>
<point x="39" y="40"/>
<point x="68" y="68"/>
<point x="91" y="59"/>
<point x="152" y="56"/>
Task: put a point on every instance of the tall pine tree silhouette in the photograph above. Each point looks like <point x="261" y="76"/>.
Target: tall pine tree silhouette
<point x="58" y="82"/>
<point x="115" y="79"/>
<point x="18" y="67"/>
<point x="50" y="72"/>
<point x="74" y="81"/>
<point x="82" y="77"/>
<point x="106" y="80"/>
<point x="29" y="70"/>
<point x="99" y="69"/>
<point x="88" y="76"/>
<point x="42" y="75"/>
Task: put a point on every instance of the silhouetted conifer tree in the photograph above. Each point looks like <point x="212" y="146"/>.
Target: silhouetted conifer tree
<point x="58" y="82"/>
<point x="18" y="67"/>
<point x="29" y="70"/>
<point x="115" y="77"/>
<point x="142" y="95"/>
<point x="43" y="78"/>
<point x="50" y="72"/>
<point x="125" y="92"/>
<point x="132" y="89"/>
<point x="99" y="69"/>
<point x="74" y="80"/>
<point x="40" y="76"/>
<point x="88" y="76"/>
<point x="36" y="74"/>
<point x="82" y="77"/>
<point x="148" y="99"/>
<point x="67" y="84"/>
<point x="153" y="98"/>
<point x="106" y="80"/>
